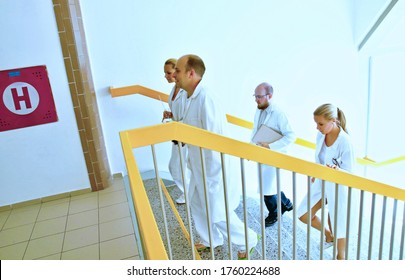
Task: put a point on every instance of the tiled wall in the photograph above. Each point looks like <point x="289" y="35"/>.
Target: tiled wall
<point x="73" y="42"/>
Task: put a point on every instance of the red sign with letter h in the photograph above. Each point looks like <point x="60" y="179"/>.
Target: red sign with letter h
<point x="25" y="98"/>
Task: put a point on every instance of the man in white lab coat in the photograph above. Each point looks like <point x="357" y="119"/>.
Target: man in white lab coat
<point x="202" y="112"/>
<point x="270" y="114"/>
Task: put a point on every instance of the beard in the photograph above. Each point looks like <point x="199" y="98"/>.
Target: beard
<point x="263" y="106"/>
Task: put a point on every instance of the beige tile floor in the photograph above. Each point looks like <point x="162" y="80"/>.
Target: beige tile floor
<point x="91" y="226"/>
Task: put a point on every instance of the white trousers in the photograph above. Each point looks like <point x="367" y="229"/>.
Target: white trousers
<point x="175" y="167"/>
<point x="219" y="229"/>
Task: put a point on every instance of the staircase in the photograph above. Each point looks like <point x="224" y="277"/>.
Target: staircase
<point x="180" y="250"/>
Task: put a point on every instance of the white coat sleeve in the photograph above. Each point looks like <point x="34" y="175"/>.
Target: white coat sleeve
<point x="256" y="119"/>
<point x="211" y="118"/>
<point x="287" y="132"/>
<point x="347" y="156"/>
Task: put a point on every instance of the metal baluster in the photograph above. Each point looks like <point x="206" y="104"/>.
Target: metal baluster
<point x="370" y="241"/>
<point x="207" y="203"/>
<point x="309" y="220"/>
<point x="188" y="212"/>
<point x="227" y="207"/>
<point x="401" y="253"/>
<point x="335" y="222"/>
<point x="394" y="217"/>
<point x="349" y="209"/>
<point x="359" y="233"/>
<point x="322" y="219"/>
<point x="279" y="216"/>
<point x="162" y="204"/>
<point x="382" y="228"/>
<point x="261" y="210"/>
<point x="294" y="217"/>
<point x="242" y="172"/>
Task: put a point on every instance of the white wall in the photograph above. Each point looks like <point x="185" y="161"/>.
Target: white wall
<point x="47" y="159"/>
<point x="304" y="48"/>
<point x="386" y="51"/>
<point x="366" y="13"/>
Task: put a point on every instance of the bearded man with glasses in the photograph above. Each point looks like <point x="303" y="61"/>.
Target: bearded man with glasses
<point x="271" y="115"/>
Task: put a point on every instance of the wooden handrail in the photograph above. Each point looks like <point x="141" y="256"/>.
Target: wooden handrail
<point x="137" y="89"/>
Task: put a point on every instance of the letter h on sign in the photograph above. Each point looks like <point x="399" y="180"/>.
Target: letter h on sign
<point x="17" y="98"/>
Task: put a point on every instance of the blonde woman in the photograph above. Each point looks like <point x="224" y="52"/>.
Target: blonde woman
<point x="177" y="105"/>
<point x="333" y="149"/>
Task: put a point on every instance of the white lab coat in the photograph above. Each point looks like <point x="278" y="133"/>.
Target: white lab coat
<point x="203" y="112"/>
<point x="342" y="151"/>
<point x="277" y="120"/>
<point x="177" y="107"/>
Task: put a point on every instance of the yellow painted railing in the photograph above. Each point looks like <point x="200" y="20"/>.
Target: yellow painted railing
<point x="208" y="140"/>
<point x="153" y="244"/>
<point x="137" y="89"/>
<point x="149" y="233"/>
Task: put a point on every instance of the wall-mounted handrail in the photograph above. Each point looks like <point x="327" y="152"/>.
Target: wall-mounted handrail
<point x="138" y="89"/>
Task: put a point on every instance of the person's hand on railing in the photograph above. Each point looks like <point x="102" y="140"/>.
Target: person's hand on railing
<point x="263" y="144"/>
<point x="167" y="115"/>
<point x="333" y="166"/>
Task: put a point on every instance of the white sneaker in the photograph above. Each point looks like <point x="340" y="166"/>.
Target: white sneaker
<point x="181" y="199"/>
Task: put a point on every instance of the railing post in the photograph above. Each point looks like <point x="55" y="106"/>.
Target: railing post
<point x="207" y="202"/>
<point x="359" y="233"/>
<point x="162" y="204"/>
<point x="322" y="219"/>
<point x="394" y="217"/>
<point x="401" y="253"/>
<point x="227" y="206"/>
<point x="349" y="205"/>
<point x="261" y="211"/>
<point x="370" y="241"/>
<point x="242" y="171"/>
<point x="309" y="221"/>
<point x="380" y="254"/>
<point x="187" y="199"/>
<point x="279" y="216"/>
<point x="335" y="221"/>
<point x="294" y="179"/>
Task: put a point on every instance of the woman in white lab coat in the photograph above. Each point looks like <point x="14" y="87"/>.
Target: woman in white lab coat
<point x="333" y="149"/>
<point x="177" y="103"/>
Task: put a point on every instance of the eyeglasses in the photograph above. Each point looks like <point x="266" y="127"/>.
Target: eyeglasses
<point x="259" y="96"/>
<point x="335" y="162"/>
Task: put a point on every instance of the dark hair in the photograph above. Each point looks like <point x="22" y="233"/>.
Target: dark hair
<point x="329" y="112"/>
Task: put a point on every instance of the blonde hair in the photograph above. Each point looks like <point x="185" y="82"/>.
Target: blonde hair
<point x="330" y="112"/>
<point x="171" y="61"/>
